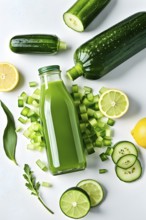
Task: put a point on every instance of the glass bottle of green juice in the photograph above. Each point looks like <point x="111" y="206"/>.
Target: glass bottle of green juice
<point x="59" y="118"/>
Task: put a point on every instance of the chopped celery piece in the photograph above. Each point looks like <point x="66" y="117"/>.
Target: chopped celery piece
<point x="96" y="98"/>
<point x="33" y="84"/>
<point x="24" y="96"/>
<point x="75" y="88"/>
<point x="25" y="111"/>
<point x="84" y="117"/>
<point x="41" y="165"/>
<point x="109" y="151"/>
<point x="103" y="171"/>
<point x="107" y="142"/>
<point x="29" y="100"/>
<point x="108" y="132"/>
<point x="82" y="108"/>
<point x="20" y="102"/>
<point x="46" y="184"/>
<point x="93" y="122"/>
<point x="103" y="156"/>
<point x="87" y="103"/>
<point x="90" y="112"/>
<point x="35" y="103"/>
<point x="76" y="96"/>
<point x="36" y="94"/>
<point x="98" y="143"/>
<point x="90" y="96"/>
<point x="22" y="120"/>
<point x="96" y="106"/>
<point x="111" y="122"/>
<point x="87" y="89"/>
<point x="103" y="89"/>
<point x="35" y="146"/>
<point x="90" y="148"/>
<point x="98" y="114"/>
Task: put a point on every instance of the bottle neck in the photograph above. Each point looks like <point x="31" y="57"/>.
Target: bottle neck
<point x="50" y="77"/>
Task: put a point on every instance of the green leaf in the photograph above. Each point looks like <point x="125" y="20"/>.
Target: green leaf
<point x="10" y="135"/>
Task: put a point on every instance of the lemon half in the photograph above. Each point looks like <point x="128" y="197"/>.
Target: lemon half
<point x="9" y="77"/>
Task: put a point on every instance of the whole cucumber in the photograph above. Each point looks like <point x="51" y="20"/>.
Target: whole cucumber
<point x="36" y="43"/>
<point x="82" y="13"/>
<point x="104" y="52"/>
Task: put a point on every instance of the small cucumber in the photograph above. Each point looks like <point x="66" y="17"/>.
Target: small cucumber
<point x="82" y="13"/>
<point x="36" y="43"/>
<point x="131" y="174"/>
<point x="107" y="50"/>
<point x="126" y="161"/>
<point x="123" y="148"/>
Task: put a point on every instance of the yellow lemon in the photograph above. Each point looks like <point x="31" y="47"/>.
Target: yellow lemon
<point x="9" y="77"/>
<point x="139" y="132"/>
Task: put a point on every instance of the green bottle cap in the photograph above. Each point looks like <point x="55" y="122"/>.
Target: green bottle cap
<point x="51" y="68"/>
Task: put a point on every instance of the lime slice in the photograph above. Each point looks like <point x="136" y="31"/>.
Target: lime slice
<point x="93" y="189"/>
<point x="9" y="77"/>
<point x="75" y="203"/>
<point x="113" y="103"/>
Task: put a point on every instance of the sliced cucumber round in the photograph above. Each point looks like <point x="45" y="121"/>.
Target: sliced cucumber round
<point x="131" y="174"/>
<point x="126" y="161"/>
<point x="122" y="148"/>
<point x="75" y="203"/>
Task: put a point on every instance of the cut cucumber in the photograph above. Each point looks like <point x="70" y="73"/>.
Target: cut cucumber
<point x="75" y="203"/>
<point x="126" y="161"/>
<point x="94" y="190"/>
<point x="82" y="13"/>
<point x="131" y="174"/>
<point x="122" y="148"/>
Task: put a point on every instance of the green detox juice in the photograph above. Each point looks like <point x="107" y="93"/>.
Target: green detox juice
<point x="64" y="145"/>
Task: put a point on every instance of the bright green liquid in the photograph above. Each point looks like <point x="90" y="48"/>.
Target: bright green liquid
<point x="61" y="129"/>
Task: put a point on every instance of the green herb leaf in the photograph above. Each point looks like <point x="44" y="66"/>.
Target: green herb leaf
<point x="10" y="135"/>
<point x="32" y="185"/>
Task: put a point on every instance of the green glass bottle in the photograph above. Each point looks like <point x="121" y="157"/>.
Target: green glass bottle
<point x="64" y="144"/>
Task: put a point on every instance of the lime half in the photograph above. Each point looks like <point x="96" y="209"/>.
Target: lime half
<point x="93" y="189"/>
<point x="113" y="103"/>
<point x="75" y="203"/>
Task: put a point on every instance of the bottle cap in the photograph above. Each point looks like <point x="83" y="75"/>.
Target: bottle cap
<point x="51" y="68"/>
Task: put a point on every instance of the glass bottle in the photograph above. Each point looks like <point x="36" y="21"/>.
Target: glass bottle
<point x="60" y="122"/>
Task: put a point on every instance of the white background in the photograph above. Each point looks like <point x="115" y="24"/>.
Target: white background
<point x="122" y="200"/>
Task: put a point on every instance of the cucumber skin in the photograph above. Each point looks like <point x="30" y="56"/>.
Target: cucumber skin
<point x="35" y="43"/>
<point x="87" y="10"/>
<point x="132" y="180"/>
<point x="112" y="47"/>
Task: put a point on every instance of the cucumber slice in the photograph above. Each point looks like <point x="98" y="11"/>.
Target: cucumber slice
<point x="75" y="203"/>
<point x="122" y="148"/>
<point x="126" y="161"/>
<point x="82" y="13"/>
<point x="131" y="174"/>
<point x="93" y="189"/>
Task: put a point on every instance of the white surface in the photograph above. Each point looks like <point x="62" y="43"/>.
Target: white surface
<point x="122" y="200"/>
